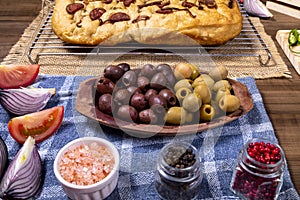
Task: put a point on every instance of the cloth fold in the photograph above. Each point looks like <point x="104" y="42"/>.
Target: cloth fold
<point x="218" y="147"/>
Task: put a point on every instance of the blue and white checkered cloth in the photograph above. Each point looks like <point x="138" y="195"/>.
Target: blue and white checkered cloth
<point x="218" y="147"/>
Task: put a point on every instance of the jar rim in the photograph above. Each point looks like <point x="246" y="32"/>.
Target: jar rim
<point x="279" y="163"/>
<point x="195" y="168"/>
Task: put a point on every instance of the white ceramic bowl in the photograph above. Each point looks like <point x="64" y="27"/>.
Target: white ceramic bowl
<point x="96" y="191"/>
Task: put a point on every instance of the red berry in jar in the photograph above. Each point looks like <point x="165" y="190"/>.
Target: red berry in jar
<point x="259" y="170"/>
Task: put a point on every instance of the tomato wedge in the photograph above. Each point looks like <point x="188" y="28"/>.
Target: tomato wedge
<point x="40" y="125"/>
<point x="16" y="76"/>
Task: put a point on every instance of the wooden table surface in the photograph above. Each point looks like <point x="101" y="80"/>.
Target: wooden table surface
<point x="281" y="96"/>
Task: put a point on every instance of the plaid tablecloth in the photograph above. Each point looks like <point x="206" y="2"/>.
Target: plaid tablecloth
<point x="218" y="147"/>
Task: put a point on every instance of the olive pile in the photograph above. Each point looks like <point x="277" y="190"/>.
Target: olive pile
<point x="161" y="94"/>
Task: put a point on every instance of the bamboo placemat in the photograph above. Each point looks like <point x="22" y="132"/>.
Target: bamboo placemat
<point x="80" y="65"/>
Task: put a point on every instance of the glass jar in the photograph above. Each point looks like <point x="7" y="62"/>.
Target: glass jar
<point x="259" y="171"/>
<point x="178" y="174"/>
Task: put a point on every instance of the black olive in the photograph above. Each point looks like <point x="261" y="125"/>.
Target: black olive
<point x="139" y="102"/>
<point x="121" y="96"/>
<point x="128" y="113"/>
<point x="169" y="96"/>
<point x="171" y="79"/>
<point x="113" y="73"/>
<point x="143" y="83"/>
<point x="105" y="85"/>
<point x="148" y="117"/>
<point x="129" y="78"/>
<point x="124" y="66"/>
<point x="158" y="104"/>
<point x="148" y="70"/>
<point x="150" y="92"/>
<point x="158" y="81"/>
<point x="163" y="67"/>
<point x="105" y="103"/>
<point x="134" y="90"/>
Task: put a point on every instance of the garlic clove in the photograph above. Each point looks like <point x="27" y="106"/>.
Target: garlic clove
<point x="257" y="8"/>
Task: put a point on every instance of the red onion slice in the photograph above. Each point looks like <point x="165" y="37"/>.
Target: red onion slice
<point x="22" y="178"/>
<point x="3" y="157"/>
<point x="24" y="101"/>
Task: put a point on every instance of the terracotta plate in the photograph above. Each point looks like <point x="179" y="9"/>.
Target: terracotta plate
<point x="86" y="106"/>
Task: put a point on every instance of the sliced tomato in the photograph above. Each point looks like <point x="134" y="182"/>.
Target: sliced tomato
<point x="15" y="76"/>
<point x="40" y="125"/>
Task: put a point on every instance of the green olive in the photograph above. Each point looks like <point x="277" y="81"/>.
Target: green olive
<point x="195" y="71"/>
<point x="183" y="70"/>
<point x="181" y="93"/>
<point x="189" y="117"/>
<point x="204" y="92"/>
<point x="192" y="102"/>
<point x="218" y="73"/>
<point x="175" y="115"/>
<point x="221" y="92"/>
<point x="207" y="112"/>
<point x="183" y="83"/>
<point x="229" y="103"/>
<point x="221" y="83"/>
<point x="208" y="80"/>
<point x="198" y="81"/>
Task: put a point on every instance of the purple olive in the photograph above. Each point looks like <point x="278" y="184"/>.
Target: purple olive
<point x="150" y="92"/>
<point x="139" y="102"/>
<point x="128" y="113"/>
<point x="105" y="103"/>
<point x="148" y="117"/>
<point x="169" y="96"/>
<point x="105" y="85"/>
<point x="113" y="72"/>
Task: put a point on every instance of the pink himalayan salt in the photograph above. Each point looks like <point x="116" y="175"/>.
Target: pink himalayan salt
<point x="86" y="164"/>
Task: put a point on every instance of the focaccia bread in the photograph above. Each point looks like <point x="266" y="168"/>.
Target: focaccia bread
<point x="93" y="22"/>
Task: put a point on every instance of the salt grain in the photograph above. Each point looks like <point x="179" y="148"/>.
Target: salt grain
<point x="86" y="164"/>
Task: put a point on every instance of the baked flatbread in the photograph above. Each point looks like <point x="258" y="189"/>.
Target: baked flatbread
<point x="93" y="22"/>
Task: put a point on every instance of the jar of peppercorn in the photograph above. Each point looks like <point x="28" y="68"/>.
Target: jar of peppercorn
<point x="259" y="171"/>
<point x="178" y="172"/>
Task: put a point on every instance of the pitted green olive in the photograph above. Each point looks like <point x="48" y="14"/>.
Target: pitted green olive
<point x="204" y="92"/>
<point x="207" y="112"/>
<point x="221" y="92"/>
<point x="181" y="93"/>
<point x="175" y="115"/>
<point x="218" y="73"/>
<point x="183" y="83"/>
<point x="192" y="102"/>
<point x="183" y="71"/>
<point x="221" y="83"/>
<point x="229" y="103"/>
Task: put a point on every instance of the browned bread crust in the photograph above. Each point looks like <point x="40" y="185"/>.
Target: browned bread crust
<point x="93" y="22"/>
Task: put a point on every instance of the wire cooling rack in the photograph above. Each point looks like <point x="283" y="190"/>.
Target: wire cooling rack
<point x="247" y="44"/>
